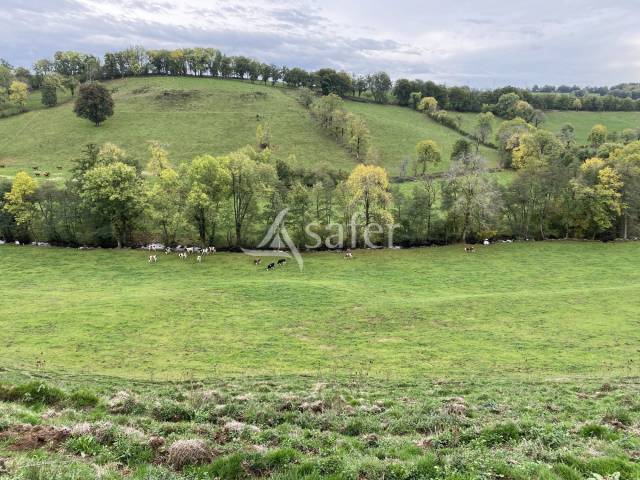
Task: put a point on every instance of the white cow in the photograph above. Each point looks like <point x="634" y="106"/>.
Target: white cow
<point x="199" y="259"/>
<point x="153" y="258"/>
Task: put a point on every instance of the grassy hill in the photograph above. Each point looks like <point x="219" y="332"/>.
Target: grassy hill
<point x="397" y="130"/>
<point x="191" y="116"/>
<point x="431" y="313"/>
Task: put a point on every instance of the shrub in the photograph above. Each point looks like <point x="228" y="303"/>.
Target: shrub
<point x="501" y="433"/>
<point x="167" y="411"/>
<point x="84" y="445"/>
<point x="83" y="399"/>
<point x="595" y="430"/>
<point x="131" y="451"/>
<point x="33" y="393"/>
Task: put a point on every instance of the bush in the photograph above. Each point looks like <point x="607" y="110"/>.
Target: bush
<point x="32" y="393"/>
<point x="83" y="399"/>
<point x="595" y="430"/>
<point x="131" y="451"/>
<point x="172" y="412"/>
<point x="84" y="445"/>
<point x="501" y="433"/>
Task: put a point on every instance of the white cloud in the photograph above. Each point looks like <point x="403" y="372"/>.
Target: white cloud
<point x="488" y="44"/>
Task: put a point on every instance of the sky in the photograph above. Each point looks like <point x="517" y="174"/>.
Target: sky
<point x="483" y="44"/>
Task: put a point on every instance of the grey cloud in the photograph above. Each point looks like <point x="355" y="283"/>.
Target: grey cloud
<point x="555" y="42"/>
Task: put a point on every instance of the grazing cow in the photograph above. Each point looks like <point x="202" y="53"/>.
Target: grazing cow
<point x="153" y="258"/>
<point x="17" y="242"/>
<point x="199" y="259"/>
<point x="36" y="168"/>
<point x="282" y="262"/>
<point x="46" y="174"/>
<point x="189" y="250"/>
<point x="59" y="167"/>
<point x="271" y="266"/>
<point x="257" y="261"/>
<point x="167" y="250"/>
<point x="469" y="249"/>
<point x="486" y="242"/>
<point x="37" y="174"/>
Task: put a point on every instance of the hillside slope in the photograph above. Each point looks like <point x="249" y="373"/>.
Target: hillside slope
<point x="190" y="116"/>
<point x="581" y="121"/>
<point x="397" y="130"/>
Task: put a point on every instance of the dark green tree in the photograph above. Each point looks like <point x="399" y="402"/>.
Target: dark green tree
<point x="94" y="103"/>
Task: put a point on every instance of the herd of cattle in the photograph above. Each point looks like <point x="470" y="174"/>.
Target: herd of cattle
<point x="185" y="252"/>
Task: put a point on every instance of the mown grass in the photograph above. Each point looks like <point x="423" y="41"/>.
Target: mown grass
<point x="190" y="116"/>
<point x="319" y="427"/>
<point x="396" y="130"/>
<point x="515" y="310"/>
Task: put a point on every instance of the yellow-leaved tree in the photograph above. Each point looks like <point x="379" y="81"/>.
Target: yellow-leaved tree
<point x="18" y="93"/>
<point x="158" y="158"/>
<point x="19" y="200"/>
<point x="368" y="187"/>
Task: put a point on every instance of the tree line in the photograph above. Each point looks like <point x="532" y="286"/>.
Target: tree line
<point x="69" y="68"/>
<point x="559" y="189"/>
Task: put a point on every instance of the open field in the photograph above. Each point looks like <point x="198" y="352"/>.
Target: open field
<point x="191" y="116"/>
<point x="510" y="310"/>
<point x="396" y="131"/>
<point x="581" y="121"/>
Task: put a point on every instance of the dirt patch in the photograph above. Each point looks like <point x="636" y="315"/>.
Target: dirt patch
<point x="254" y="96"/>
<point x="31" y="437"/>
<point x="177" y="97"/>
<point x="141" y="90"/>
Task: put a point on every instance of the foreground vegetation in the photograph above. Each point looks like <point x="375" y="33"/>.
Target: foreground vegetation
<point x="524" y="309"/>
<point x="318" y="427"/>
